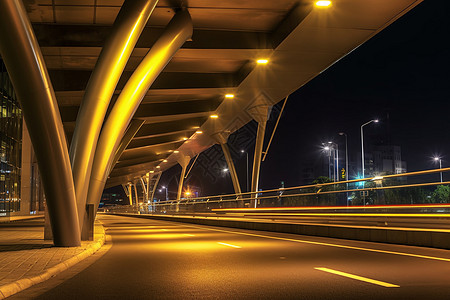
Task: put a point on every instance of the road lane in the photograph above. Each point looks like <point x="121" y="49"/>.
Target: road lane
<point x="152" y="259"/>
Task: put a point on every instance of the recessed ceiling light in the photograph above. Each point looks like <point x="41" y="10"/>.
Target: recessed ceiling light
<point x="262" y="61"/>
<point x="152" y="172"/>
<point x="214" y="116"/>
<point x="158" y="167"/>
<point x="185" y="139"/>
<point x="229" y="96"/>
<point x="199" y="132"/>
<point x="323" y="3"/>
<point x="176" y="151"/>
<point x="165" y="160"/>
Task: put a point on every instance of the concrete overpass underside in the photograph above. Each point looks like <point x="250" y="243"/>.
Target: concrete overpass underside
<point x="169" y="122"/>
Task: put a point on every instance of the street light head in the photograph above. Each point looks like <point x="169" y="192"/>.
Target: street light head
<point x="376" y="120"/>
<point x="341" y="133"/>
<point x="225" y="170"/>
<point x="163" y="187"/>
<point x="242" y="151"/>
<point x="326" y="148"/>
<point x="436" y="158"/>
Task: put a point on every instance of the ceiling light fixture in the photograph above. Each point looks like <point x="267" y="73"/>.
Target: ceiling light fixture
<point x="262" y="61"/>
<point x="229" y="96"/>
<point x="323" y="3"/>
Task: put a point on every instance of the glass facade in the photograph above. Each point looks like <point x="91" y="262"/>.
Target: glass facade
<point x="10" y="145"/>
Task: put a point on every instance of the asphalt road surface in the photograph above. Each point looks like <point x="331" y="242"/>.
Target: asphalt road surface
<point x="150" y="259"/>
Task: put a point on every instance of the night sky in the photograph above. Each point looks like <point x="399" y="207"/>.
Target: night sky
<point x="400" y="76"/>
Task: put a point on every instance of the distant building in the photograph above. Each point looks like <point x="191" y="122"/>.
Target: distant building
<point x="387" y="159"/>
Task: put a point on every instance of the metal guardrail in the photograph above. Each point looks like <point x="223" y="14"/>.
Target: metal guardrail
<point x="405" y="193"/>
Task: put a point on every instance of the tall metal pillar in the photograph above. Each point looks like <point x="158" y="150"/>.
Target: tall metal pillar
<point x="176" y="33"/>
<point x="23" y="59"/>
<point x="127" y="28"/>
<point x="260" y="113"/>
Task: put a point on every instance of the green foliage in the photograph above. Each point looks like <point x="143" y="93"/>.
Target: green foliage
<point x="441" y="194"/>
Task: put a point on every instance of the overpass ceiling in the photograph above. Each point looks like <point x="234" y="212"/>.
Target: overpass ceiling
<point x="300" y="41"/>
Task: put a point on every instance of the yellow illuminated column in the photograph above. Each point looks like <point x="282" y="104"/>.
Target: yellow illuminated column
<point x="177" y="32"/>
<point x="127" y="28"/>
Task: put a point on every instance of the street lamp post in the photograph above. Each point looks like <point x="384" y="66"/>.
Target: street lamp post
<point x="436" y="159"/>
<point x="335" y="148"/>
<point x="362" y="153"/>
<point x="328" y="149"/>
<point x="167" y="194"/>
<point x="362" y="144"/>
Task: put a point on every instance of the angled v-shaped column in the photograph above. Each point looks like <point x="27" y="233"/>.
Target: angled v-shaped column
<point x="127" y="28"/>
<point x="26" y="67"/>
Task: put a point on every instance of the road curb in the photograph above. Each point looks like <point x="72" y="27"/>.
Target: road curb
<point x="24" y="283"/>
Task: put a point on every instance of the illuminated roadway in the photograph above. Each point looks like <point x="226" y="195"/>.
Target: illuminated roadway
<point x="165" y="260"/>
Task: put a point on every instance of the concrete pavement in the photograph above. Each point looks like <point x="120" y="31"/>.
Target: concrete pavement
<point x="27" y="259"/>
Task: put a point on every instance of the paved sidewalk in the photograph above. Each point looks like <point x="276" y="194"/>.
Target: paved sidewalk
<point x="26" y="258"/>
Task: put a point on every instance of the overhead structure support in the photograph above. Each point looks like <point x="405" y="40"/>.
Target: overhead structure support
<point x="183" y="161"/>
<point x="177" y="32"/>
<point x="26" y="67"/>
<point x="260" y="113"/>
<point x="127" y="28"/>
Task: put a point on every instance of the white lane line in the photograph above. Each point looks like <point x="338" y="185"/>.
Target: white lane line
<point x="360" y="278"/>
<point x="327" y="244"/>
<point x="229" y="245"/>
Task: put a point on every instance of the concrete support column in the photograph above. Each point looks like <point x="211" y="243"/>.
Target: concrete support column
<point x="26" y="67"/>
<point x="183" y="161"/>
<point x="260" y="113"/>
<point x="144" y="188"/>
<point x="130" y="194"/>
<point x="26" y="184"/>
<point x="231" y="169"/>
<point x="136" y="193"/>
<point x="221" y="138"/>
